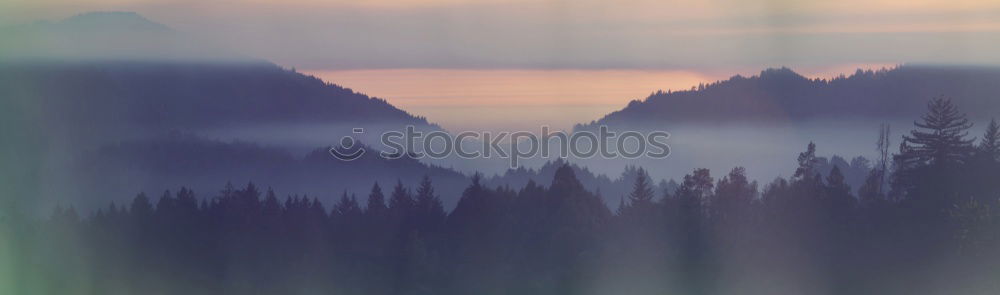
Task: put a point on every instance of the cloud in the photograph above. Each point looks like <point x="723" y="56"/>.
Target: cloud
<point x="584" y="33"/>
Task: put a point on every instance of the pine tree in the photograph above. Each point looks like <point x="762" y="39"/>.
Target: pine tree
<point x="807" y="164"/>
<point x="165" y="207"/>
<point x="187" y="202"/>
<point x="989" y="146"/>
<point x="689" y="212"/>
<point x="316" y="210"/>
<point x="869" y="192"/>
<point x="271" y="209"/>
<point x="346" y="208"/>
<point x="642" y="192"/>
<point x="640" y="207"/>
<point x="838" y="192"/>
<point x="928" y="166"/>
<point x="694" y="191"/>
<point x="835" y="182"/>
<point x="941" y="137"/>
<point x="429" y="209"/>
<point x="400" y="200"/>
<point x="141" y="208"/>
<point x="376" y="202"/>
<point x="571" y="201"/>
<point x="669" y="188"/>
<point x="732" y="193"/>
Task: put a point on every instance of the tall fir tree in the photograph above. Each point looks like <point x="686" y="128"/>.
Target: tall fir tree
<point x="642" y="191"/>
<point x="838" y="192"/>
<point x="807" y="160"/>
<point x="430" y="210"/>
<point x="732" y="193"/>
<point x="639" y="207"/>
<point x="989" y="146"/>
<point x="376" y="202"/>
<point x="940" y="138"/>
<point x="142" y="208"/>
<point x="694" y="191"/>
<point x="400" y="200"/>
<point x="347" y="207"/>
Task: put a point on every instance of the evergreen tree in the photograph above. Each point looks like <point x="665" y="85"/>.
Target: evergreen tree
<point x="346" y="208"/>
<point x="690" y="197"/>
<point x="376" y="202"/>
<point x="696" y="186"/>
<point x="400" y="200"/>
<point x="316" y="211"/>
<point x="141" y="208"/>
<point x="940" y="138"/>
<point x="640" y="209"/>
<point x="642" y="192"/>
<point x="929" y="163"/>
<point x="186" y="202"/>
<point x="807" y="165"/>
<point x="669" y="188"/>
<point x="687" y="217"/>
<point x="835" y="183"/>
<point x="989" y="146"/>
<point x="165" y="207"/>
<point x="983" y="169"/>
<point x="271" y="208"/>
<point x="838" y="193"/>
<point x="807" y="183"/>
<point x="869" y="192"/>
<point x="429" y="209"/>
<point x="733" y="193"/>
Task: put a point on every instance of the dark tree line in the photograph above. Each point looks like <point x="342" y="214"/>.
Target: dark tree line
<point x="886" y="93"/>
<point x="924" y="223"/>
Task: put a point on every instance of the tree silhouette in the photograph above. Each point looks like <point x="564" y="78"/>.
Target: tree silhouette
<point x="733" y="193"/>
<point x="141" y="208"/>
<point x="429" y="210"/>
<point x="807" y="164"/>
<point x="640" y="203"/>
<point x="537" y="239"/>
<point x="376" y="202"/>
<point x="347" y="208"/>
<point x="942" y="140"/>
<point x="989" y="146"/>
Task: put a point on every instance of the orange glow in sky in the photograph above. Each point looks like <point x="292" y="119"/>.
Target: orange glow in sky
<point x="461" y="99"/>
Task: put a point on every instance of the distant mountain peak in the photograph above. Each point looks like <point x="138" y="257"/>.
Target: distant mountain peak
<point x="107" y="35"/>
<point x="122" y="20"/>
<point x="782" y="72"/>
<point x="780" y="94"/>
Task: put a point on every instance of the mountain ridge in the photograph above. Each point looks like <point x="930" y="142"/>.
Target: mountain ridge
<point x="780" y="94"/>
<point x="107" y="35"/>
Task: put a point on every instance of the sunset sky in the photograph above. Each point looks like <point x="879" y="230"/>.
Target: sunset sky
<point x="465" y="99"/>
<point x="456" y="61"/>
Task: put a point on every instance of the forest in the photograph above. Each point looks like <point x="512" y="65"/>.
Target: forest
<point x="925" y="221"/>
<point x="777" y="94"/>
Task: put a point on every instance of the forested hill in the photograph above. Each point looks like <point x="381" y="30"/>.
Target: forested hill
<point x="184" y="95"/>
<point x="109" y="73"/>
<point x="779" y="95"/>
<point x="117" y="172"/>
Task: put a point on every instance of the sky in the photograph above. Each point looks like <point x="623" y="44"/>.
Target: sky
<point x="462" y="62"/>
<point x="520" y="99"/>
<point x="569" y="34"/>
